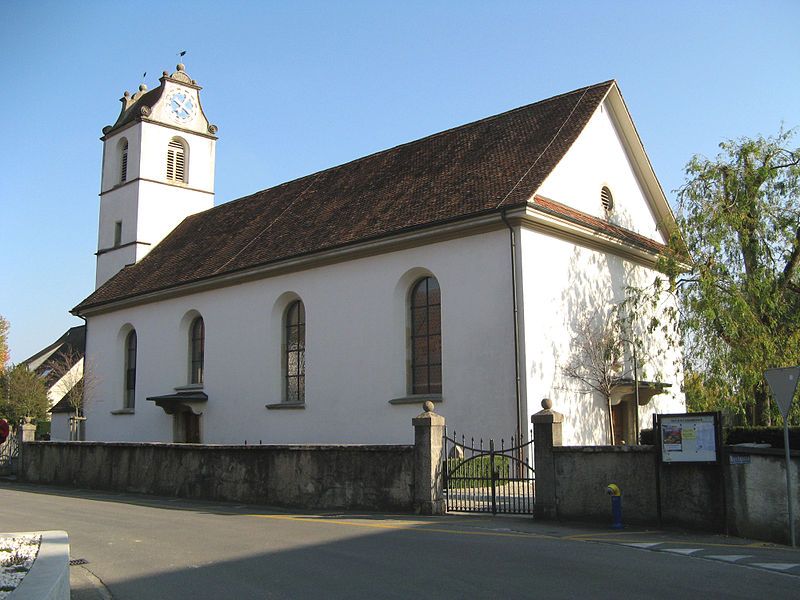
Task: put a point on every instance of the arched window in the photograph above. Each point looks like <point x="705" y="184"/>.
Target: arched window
<point x="177" y="161"/>
<point x="426" y="337"/>
<point x="123" y="173"/>
<point x="130" y="370"/>
<point x="295" y="353"/>
<point x="197" y="340"/>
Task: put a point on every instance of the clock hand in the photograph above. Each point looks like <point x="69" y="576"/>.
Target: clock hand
<point x="183" y="104"/>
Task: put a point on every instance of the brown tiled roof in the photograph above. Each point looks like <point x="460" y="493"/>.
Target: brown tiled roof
<point x="69" y="347"/>
<point x="581" y="218"/>
<point x="479" y="168"/>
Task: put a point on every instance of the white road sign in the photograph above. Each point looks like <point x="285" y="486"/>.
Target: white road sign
<point x="784" y="384"/>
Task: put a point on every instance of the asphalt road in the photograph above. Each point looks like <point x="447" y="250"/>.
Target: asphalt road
<point x="161" y="548"/>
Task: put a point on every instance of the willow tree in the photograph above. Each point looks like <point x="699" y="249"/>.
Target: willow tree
<point x="739" y="215"/>
<point x="3" y="343"/>
<point x="24" y="395"/>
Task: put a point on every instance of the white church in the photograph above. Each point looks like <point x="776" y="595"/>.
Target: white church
<point x="327" y="309"/>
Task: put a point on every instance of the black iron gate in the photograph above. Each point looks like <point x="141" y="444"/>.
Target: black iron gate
<point x="9" y="453"/>
<point x="488" y="479"/>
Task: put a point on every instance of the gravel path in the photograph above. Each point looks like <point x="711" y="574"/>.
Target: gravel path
<point x="17" y="553"/>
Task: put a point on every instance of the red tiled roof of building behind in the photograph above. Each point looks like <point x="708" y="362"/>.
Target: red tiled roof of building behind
<point x="478" y="168"/>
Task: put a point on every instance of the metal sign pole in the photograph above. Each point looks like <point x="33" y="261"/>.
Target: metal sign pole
<point x="788" y="479"/>
<point x="783" y="383"/>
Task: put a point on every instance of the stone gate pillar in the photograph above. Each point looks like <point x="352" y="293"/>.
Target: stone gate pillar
<point x="27" y="432"/>
<point x="546" y="434"/>
<point x="428" y="457"/>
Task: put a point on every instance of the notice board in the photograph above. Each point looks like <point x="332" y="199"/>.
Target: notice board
<point x="689" y="437"/>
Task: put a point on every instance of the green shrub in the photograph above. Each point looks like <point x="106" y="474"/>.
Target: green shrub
<point x="476" y="472"/>
<point x="647" y="437"/>
<point x="762" y="435"/>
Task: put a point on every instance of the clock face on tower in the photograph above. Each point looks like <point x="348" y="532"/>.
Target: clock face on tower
<point x="181" y="106"/>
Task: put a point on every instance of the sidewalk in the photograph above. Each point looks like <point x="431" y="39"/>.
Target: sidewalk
<point x="85" y="586"/>
<point x="709" y="546"/>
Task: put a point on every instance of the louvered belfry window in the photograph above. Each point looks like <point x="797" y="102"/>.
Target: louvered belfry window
<point x="124" y="166"/>
<point x="176" y="161"/>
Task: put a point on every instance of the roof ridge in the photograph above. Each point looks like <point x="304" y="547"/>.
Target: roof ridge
<point x="505" y="113"/>
<point x="567" y="119"/>
<point x="316" y="174"/>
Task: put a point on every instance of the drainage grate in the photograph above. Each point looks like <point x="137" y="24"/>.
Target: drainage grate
<point x="78" y="561"/>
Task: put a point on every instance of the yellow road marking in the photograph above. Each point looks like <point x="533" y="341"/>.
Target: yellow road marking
<point x="596" y="534"/>
<point x="421" y="526"/>
<point x="405" y="526"/>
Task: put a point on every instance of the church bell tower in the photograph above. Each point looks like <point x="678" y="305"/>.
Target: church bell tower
<point x="158" y="168"/>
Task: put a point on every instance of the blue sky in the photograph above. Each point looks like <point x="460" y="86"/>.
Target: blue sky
<point x="299" y="86"/>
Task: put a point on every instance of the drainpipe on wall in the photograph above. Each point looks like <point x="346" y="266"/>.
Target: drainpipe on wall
<point x="513" y="248"/>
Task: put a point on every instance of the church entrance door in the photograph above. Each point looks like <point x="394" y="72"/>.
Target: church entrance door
<point x="187" y="427"/>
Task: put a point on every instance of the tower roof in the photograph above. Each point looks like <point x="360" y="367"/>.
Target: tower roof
<point x="139" y="106"/>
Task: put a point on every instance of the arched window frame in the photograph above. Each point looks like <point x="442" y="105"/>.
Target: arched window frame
<point x="123" y="160"/>
<point x="197" y="342"/>
<point x="177" y="160"/>
<point x="294" y="353"/>
<point x="131" y="343"/>
<point x="425" y="337"/>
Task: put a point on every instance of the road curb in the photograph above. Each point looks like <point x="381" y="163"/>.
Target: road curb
<point x="48" y="578"/>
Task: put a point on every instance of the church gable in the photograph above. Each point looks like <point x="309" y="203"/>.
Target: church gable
<point x="604" y="176"/>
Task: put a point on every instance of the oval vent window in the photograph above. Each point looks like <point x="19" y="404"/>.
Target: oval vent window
<point x="607" y="199"/>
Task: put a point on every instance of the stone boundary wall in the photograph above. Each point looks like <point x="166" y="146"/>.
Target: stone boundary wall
<point x="746" y="498"/>
<point x="744" y="495"/>
<point x="300" y="476"/>
<point x="583" y="472"/>
<point x="691" y="495"/>
<point x="756" y="491"/>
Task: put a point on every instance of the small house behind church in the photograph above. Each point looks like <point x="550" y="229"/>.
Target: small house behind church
<point x="60" y="365"/>
<point x="455" y="268"/>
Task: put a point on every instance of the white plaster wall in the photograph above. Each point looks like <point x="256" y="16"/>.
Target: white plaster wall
<point x="596" y="159"/>
<point x="118" y="205"/>
<point x="161" y="208"/>
<point x="112" y="157"/>
<point x="355" y="352"/>
<point x="562" y="283"/>
<point x="155" y="139"/>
